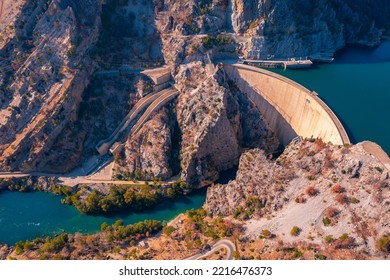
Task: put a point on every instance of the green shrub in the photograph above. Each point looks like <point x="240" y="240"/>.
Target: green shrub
<point x="168" y="230"/>
<point x="265" y="233"/>
<point x="383" y="244"/>
<point x="329" y="239"/>
<point x="354" y="200"/>
<point x="297" y="254"/>
<point x="19" y="247"/>
<point x="72" y="51"/>
<point x="319" y="257"/>
<point x="295" y="231"/>
<point x="326" y="221"/>
<point x="28" y="246"/>
<point x="104" y="226"/>
<point x="344" y="237"/>
<point x="55" y="244"/>
<point x="379" y="169"/>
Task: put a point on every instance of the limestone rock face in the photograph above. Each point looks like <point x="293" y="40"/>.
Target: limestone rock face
<point x="45" y="85"/>
<point x="214" y="124"/>
<point x="150" y="152"/>
<point x="290" y="28"/>
<point x="324" y="191"/>
<point x="243" y="13"/>
<point x="266" y="186"/>
<point x="257" y="177"/>
<point x="51" y="49"/>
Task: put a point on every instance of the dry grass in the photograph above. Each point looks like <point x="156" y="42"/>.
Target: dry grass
<point x="311" y="191"/>
<point x="341" y="198"/>
<point x="338" y="189"/>
<point x="319" y="145"/>
<point x="300" y="199"/>
<point x="331" y="212"/>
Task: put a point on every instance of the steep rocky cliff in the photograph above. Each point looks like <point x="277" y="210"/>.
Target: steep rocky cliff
<point x="217" y="123"/>
<point x="264" y="28"/>
<point x="47" y="75"/>
<point x="153" y="151"/>
<point x="290" y="28"/>
<point x="50" y="50"/>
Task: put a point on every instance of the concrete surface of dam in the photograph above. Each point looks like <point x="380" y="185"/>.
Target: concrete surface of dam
<point x="290" y="109"/>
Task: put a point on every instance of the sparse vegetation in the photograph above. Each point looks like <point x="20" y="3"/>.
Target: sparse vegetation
<point x="311" y="177"/>
<point x="329" y="239"/>
<point x="344" y="237"/>
<point x="55" y="244"/>
<point x="300" y="199"/>
<point x="341" y="198"/>
<point x="354" y="200"/>
<point x="319" y="257"/>
<point x="265" y="233"/>
<point x="168" y="230"/>
<point x="383" y="244"/>
<point x="311" y="191"/>
<point x="295" y="231"/>
<point x="338" y="189"/>
<point x="379" y="169"/>
<point x="331" y="212"/>
<point x="119" y="198"/>
<point x="209" y="41"/>
<point x="326" y="221"/>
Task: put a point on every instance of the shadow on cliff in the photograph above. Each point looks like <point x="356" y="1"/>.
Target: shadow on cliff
<point x="358" y="54"/>
<point x="276" y="122"/>
<point x="129" y="35"/>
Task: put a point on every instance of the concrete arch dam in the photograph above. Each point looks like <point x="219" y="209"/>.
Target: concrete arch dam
<point x="290" y="109"/>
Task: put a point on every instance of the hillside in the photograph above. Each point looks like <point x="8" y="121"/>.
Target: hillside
<point x="72" y="76"/>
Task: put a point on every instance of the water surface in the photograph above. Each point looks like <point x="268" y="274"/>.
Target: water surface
<point x="29" y="215"/>
<point x="357" y="87"/>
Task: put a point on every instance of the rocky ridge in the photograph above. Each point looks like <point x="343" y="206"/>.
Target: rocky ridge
<point x="150" y="151"/>
<point x="325" y="191"/>
<point x="213" y="124"/>
<point x="53" y="72"/>
<point x="55" y="46"/>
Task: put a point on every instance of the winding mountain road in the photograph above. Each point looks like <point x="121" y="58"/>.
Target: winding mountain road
<point x="222" y="243"/>
<point x="100" y="169"/>
<point x="159" y="102"/>
<point x="104" y="145"/>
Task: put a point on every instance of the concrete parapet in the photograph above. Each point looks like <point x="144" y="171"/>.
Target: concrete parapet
<point x="290" y="109"/>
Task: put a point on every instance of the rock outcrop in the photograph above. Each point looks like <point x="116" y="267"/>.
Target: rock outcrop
<point x="50" y="51"/>
<point x="290" y="28"/>
<point x="46" y="83"/>
<point x="214" y="124"/>
<point x="322" y="190"/>
<point x="151" y="152"/>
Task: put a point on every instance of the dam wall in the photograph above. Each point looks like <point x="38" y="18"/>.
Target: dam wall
<point x="290" y="109"/>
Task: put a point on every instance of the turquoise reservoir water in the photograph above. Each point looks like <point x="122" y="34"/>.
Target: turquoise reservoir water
<point x="357" y="87"/>
<point x="29" y="215"/>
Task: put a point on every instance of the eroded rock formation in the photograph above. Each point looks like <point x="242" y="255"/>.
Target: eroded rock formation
<point x="216" y="124"/>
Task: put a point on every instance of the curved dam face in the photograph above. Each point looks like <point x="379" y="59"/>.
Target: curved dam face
<point x="290" y="109"/>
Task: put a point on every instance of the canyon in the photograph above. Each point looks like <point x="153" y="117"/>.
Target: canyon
<point x="134" y="92"/>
